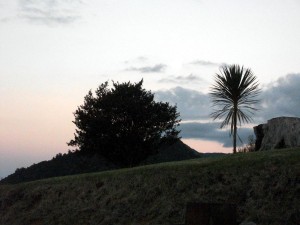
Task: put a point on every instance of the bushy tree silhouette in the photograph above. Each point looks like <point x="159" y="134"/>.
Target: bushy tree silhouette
<point x="234" y="94"/>
<point x="124" y="123"/>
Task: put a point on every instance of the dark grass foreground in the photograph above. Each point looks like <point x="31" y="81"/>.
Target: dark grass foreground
<point x="264" y="185"/>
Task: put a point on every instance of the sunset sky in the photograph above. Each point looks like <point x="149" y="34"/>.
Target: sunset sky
<point x="52" y="52"/>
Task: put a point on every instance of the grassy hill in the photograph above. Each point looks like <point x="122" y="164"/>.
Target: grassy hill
<point x="264" y="185"/>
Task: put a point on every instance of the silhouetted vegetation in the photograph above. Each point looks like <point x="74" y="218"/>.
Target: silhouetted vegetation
<point x="250" y="146"/>
<point x="234" y="94"/>
<point x="60" y="165"/>
<point x="77" y="163"/>
<point x="124" y="124"/>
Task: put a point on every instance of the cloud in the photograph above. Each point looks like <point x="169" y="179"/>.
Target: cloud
<point x="7" y="11"/>
<point x="196" y="106"/>
<point x="142" y="58"/>
<point x="207" y="63"/>
<point x="5" y="19"/>
<point x="279" y="98"/>
<point x="139" y="59"/>
<point x="211" y="131"/>
<point x="158" y="68"/>
<point x="182" y="79"/>
<point x="191" y="104"/>
<point x="50" y="12"/>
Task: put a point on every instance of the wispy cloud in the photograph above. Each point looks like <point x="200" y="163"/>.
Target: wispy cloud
<point x="7" y="11"/>
<point x="181" y="79"/>
<point x="158" y="68"/>
<point x="207" y="63"/>
<point x="50" y="12"/>
<point x="140" y="59"/>
<point x="5" y="19"/>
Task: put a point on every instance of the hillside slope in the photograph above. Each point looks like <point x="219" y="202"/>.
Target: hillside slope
<point x="264" y="185"/>
<point x="76" y="163"/>
<point x="175" y="152"/>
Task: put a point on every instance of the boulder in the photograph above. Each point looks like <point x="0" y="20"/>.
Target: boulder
<point x="280" y="132"/>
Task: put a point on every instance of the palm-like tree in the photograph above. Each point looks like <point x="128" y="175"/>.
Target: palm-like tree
<point x="234" y="96"/>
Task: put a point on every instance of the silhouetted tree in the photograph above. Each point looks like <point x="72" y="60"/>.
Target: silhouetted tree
<point x="124" y="123"/>
<point x="234" y="94"/>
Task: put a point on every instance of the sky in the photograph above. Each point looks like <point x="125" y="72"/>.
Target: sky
<point x="52" y="52"/>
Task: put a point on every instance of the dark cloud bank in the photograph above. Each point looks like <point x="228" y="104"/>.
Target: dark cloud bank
<point x="280" y="98"/>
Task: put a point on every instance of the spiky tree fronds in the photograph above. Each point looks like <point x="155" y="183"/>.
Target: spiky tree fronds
<point x="234" y="95"/>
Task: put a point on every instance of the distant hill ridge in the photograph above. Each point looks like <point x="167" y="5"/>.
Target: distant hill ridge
<point x="175" y="152"/>
<point x="75" y="163"/>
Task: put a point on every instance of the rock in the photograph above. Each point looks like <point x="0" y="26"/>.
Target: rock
<point x="259" y="133"/>
<point x="280" y="132"/>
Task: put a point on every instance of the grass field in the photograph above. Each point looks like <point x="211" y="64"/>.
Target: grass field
<point x="264" y="185"/>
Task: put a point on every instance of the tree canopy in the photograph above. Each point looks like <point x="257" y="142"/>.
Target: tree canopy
<point x="234" y="94"/>
<point x="123" y="123"/>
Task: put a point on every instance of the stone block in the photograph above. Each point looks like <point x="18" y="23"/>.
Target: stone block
<point x="280" y="132"/>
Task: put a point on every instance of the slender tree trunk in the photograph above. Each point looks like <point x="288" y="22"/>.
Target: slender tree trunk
<point x="234" y="128"/>
<point x="234" y="137"/>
